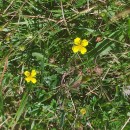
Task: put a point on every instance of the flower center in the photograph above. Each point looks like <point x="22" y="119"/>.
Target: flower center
<point x="80" y="47"/>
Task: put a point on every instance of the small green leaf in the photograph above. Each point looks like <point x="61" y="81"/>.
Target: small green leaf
<point x="128" y="114"/>
<point x="39" y="56"/>
<point x="129" y="28"/>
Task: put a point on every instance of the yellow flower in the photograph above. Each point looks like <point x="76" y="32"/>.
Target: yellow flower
<point x="83" y="111"/>
<point x="30" y="76"/>
<point x="21" y="48"/>
<point x="80" y="45"/>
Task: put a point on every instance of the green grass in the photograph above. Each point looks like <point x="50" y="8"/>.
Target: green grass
<point x="39" y="34"/>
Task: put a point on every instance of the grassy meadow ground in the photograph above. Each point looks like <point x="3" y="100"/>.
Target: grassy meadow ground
<point x="64" y="64"/>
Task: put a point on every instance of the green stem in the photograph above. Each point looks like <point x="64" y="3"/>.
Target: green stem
<point x="20" y="110"/>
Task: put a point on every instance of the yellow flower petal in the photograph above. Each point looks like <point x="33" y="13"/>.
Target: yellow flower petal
<point x="33" y="73"/>
<point x="77" y="41"/>
<point x="83" y="111"/>
<point x="84" y="42"/>
<point x="33" y="80"/>
<point x="75" y="49"/>
<point x="27" y="73"/>
<point x="83" y="50"/>
<point x="28" y="79"/>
